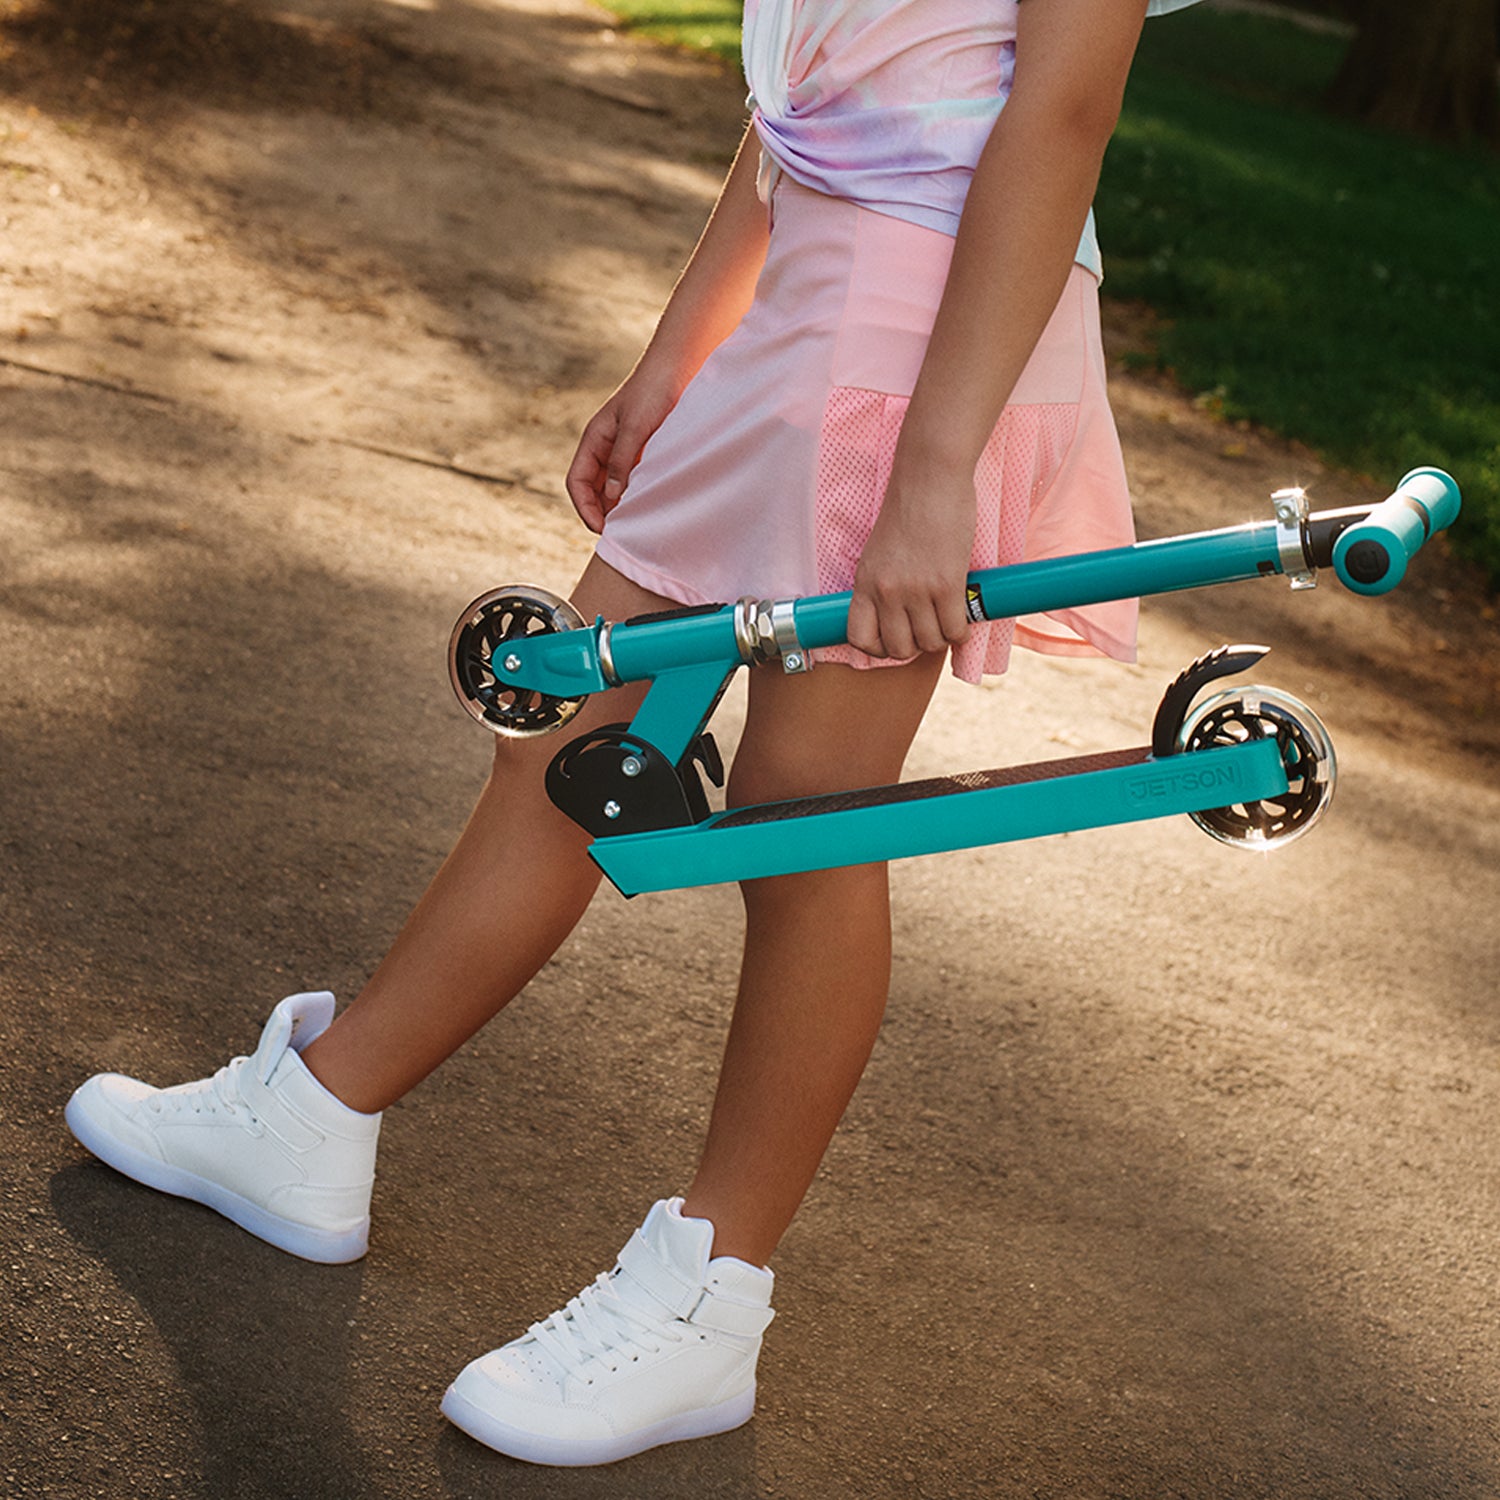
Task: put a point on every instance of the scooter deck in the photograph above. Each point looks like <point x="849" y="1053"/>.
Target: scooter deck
<point x="940" y="814"/>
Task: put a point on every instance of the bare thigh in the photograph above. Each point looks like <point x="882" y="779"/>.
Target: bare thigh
<point x="601" y="590"/>
<point x="829" y="730"/>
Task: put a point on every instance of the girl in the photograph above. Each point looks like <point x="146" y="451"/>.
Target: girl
<point x="880" y="368"/>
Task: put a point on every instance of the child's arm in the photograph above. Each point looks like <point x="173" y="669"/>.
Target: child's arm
<point x="710" y="297"/>
<point x="1016" y="241"/>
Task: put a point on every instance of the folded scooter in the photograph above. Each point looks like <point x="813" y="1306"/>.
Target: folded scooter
<point x="1251" y="766"/>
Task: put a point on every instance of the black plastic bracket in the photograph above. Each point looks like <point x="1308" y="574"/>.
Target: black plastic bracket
<point x="610" y="781"/>
<point x="702" y="759"/>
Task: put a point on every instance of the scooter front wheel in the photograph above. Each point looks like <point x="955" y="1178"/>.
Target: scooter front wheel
<point x="509" y="613"/>
<point x="1240" y="714"/>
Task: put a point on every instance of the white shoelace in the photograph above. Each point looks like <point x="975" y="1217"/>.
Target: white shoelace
<point x="599" y="1323"/>
<point x="222" y="1090"/>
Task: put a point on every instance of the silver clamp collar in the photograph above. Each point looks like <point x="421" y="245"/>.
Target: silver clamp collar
<point x="766" y="630"/>
<point x="1292" y="509"/>
<point x="604" y="642"/>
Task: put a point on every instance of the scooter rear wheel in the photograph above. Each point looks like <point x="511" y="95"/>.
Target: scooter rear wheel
<point x="1240" y="714"/>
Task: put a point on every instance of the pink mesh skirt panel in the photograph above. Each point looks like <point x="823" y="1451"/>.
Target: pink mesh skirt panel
<point x="767" y="476"/>
<point x="860" y="431"/>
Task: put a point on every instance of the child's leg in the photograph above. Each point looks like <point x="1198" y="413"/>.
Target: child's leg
<point x="284" y="1142"/>
<point x="817" y="950"/>
<point x="509" y="893"/>
<point x="666" y="1347"/>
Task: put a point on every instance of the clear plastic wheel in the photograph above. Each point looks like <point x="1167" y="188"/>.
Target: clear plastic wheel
<point x="1238" y="715"/>
<point x="511" y="613"/>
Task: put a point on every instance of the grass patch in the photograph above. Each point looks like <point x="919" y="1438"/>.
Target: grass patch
<point x="706" y="25"/>
<point x="1333" y="283"/>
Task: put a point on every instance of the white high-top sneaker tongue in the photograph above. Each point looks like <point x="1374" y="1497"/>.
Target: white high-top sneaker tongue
<point x="294" y="1023"/>
<point x="684" y="1244"/>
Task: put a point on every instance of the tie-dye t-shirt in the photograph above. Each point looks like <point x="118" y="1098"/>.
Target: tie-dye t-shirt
<point x="887" y="103"/>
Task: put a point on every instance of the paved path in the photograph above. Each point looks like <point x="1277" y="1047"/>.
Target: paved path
<point x="1174" y="1172"/>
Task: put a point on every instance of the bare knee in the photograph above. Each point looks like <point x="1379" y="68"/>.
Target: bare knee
<point x="522" y="762"/>
<point x="776" y="768"/>
<point x="776" y="773"/>
<point x="832" y="731"/>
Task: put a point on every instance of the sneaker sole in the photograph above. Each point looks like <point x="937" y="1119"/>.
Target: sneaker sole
<point x="533" y="1448"/>
<point x="326" y="1246"/>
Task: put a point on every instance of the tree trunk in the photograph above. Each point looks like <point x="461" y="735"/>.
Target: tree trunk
<point x="1430" y="69"/>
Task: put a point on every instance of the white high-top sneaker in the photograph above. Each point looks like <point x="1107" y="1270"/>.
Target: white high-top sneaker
<point x="262" y="1141"/>
<point x="663" y="1348"/>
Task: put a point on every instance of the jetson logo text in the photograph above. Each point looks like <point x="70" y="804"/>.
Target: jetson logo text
<point x="1176" y="783"/>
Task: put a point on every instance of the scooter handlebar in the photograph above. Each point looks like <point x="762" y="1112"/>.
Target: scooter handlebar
<point x="1370" y="557"/>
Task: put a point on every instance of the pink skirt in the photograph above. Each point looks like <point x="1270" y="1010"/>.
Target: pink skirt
<point x="767" y="476"/>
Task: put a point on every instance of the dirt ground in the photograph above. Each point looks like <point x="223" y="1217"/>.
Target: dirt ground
<point x="1174" y="1173"/>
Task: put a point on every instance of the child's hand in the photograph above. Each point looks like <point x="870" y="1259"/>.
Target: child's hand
<point x="612" y="441"/>
<point x="909" y="586"/>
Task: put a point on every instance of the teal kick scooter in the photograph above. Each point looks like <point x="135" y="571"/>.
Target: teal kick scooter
<point x="1251" y="766"/>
